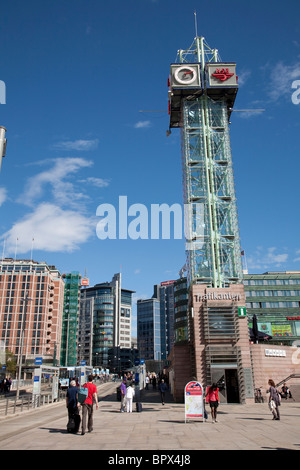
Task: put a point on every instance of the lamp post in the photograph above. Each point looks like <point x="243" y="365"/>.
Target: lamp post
<point x="25" y="300"/>
<point x="2" y="143"/>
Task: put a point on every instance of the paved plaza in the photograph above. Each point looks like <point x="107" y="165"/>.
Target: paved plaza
<point x="158" y="428"/>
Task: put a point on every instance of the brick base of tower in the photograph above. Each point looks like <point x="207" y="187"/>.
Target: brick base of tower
<point x="180" y="372"/>
<point x="219" y="347"/>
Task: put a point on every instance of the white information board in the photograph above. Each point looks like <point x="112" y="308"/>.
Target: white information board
<point x="193" y="400"/>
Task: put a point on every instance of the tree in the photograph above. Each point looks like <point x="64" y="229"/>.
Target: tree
<point x="11" y="364"/>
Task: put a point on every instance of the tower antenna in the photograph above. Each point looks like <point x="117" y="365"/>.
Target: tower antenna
<point x="195" y="14"/>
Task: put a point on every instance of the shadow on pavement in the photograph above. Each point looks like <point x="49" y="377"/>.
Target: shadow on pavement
<point x="56" y="430"/>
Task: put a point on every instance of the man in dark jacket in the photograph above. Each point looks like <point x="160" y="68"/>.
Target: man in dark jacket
<point x="162" y="388"/>
<point x="73" y="408"/>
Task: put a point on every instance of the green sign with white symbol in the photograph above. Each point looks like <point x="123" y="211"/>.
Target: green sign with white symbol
<point x="242" y="312"/>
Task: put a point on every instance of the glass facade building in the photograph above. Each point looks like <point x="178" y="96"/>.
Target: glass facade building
<point x="68" y="355"/>
<point x="105" y="319"/>
<point x="155" y="323"/>
<point x="181" y="298"/>
<point x="149" y="329"/>
<point x="274" y="297"/>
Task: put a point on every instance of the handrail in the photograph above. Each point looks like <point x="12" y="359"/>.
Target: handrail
<point x="292" y="376"/>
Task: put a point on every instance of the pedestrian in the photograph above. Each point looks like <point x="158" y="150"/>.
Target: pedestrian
<point x="129" y="397"/>
<point x="123" y="395"/>
<point x="73" y="408"/>
<point x="162" y="388"/>
<point x="88" y="407"/>
<point x="284" y="391"/>
<point x="274" y="400"/>
<point x="6" y="385"/>
<point x="154" y="382"/>
<point x="147" y="380"/>
<point x="212" y="397"/>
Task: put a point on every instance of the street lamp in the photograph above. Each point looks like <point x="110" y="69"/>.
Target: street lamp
<point x="25" y="300"/>
<point x="2" y="143"/>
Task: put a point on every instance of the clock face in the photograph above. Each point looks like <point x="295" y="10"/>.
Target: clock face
<point x="185" y="75"/>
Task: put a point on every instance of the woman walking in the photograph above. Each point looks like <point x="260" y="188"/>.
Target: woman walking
<point x="274" y="400"/>
<point x="212" y="397"/>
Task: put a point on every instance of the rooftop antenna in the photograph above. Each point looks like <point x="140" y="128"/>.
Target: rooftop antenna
<point x="195" y="14"/>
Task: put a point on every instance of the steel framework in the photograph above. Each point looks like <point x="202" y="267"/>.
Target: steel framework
<point x="211" y="221"/>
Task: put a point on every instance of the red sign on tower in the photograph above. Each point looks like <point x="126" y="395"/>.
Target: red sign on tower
<point x="222" y="74"/>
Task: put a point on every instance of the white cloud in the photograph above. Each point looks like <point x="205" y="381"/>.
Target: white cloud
<point x="266" y="259"/>
<point x="53" y="229"/>
<point x="243" y="76"/>
<point x="142" y="124"/>
<point x="250" y="113"/>
<point x="3" y="195"/>
<point x="298" y="257"/>
<point x="58" y="219"/>
<point x="98" y="182"/>
<point x="79" y="145"/>
<point x="281" y="78"/>
<point x="62" y="190"/>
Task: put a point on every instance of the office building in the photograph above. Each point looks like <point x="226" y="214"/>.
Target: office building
<point x="181" y="298"/>
<point x="155" y="323"/>
<point x="274" y="297"/>
<point x="149" y="329"/>
<point x="31" y="308"/>
<point x="69" y="343"/>
<point x="105" y="323"/>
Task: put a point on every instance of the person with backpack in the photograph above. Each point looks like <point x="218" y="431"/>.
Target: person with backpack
<point x="88" y="404"/>
<point x="274" y="400"/>
<point x="73" y="408"/>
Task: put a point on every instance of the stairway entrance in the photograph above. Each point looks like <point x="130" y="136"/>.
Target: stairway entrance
<point x="227" y="382"/>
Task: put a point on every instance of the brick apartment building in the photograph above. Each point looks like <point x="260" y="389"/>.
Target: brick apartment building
<point x="40" y="317"/>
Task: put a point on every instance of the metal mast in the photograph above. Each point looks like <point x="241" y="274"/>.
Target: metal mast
<point x="201" y="97"/>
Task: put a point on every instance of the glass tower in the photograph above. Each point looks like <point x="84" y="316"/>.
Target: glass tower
<point x="201" y="95"/>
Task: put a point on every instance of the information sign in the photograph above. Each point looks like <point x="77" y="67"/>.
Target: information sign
<point x="36" y="382"/>
<point x="193" y="399"/>
<point x="242" y="312"/>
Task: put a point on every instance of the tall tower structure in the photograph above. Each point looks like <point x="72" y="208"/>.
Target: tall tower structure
<point x="202" y="91"/>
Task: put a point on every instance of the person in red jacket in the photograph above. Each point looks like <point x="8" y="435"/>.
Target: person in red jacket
<point x="212" y="397"/>
<point x="87" y="406"/>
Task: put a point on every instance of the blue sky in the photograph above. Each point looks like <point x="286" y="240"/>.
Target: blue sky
<point x="77" y="75"/>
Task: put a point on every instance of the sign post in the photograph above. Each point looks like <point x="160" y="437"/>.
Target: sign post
<point x="193" y="399"/>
